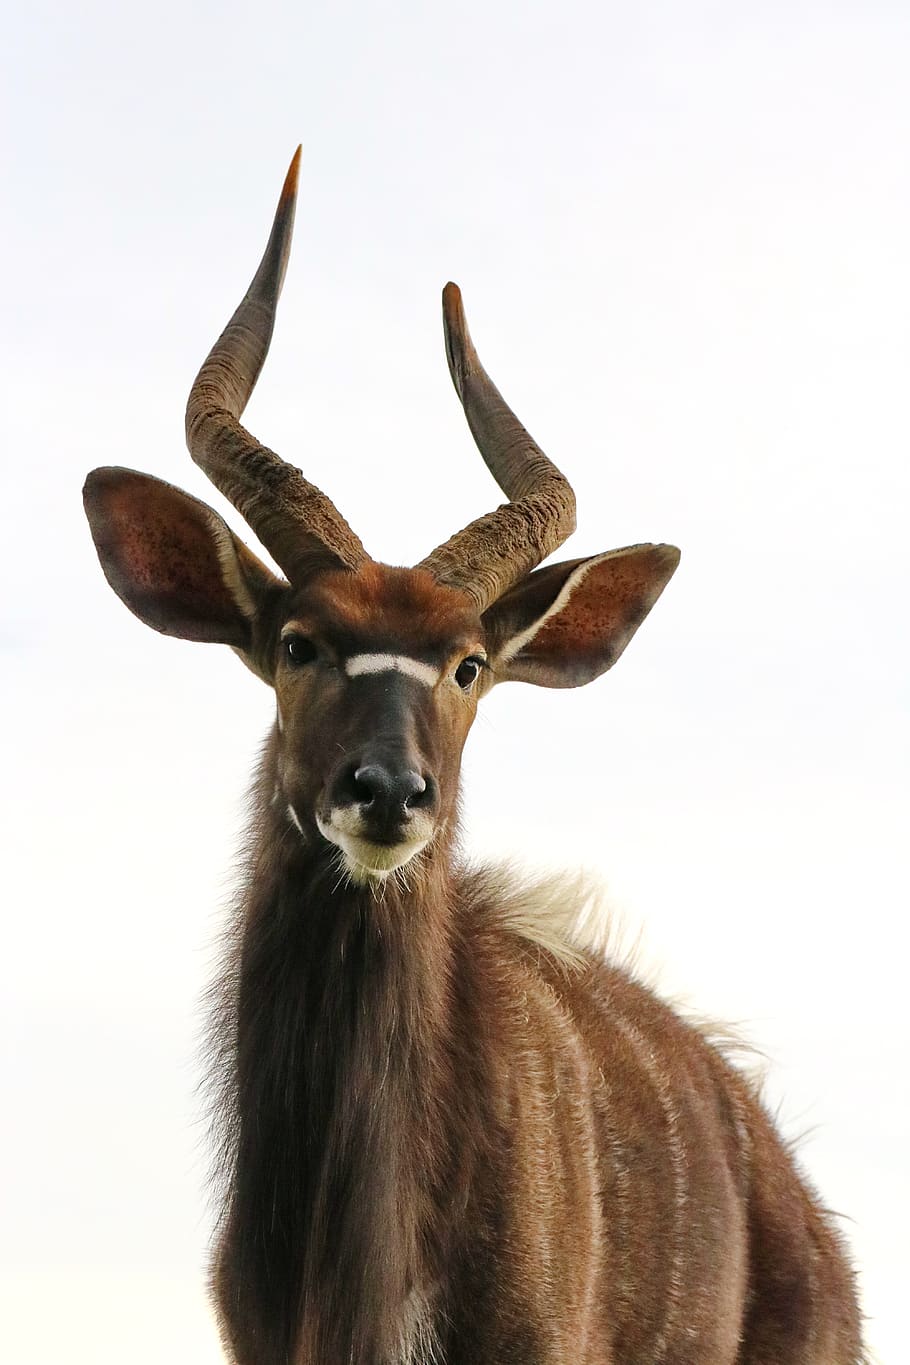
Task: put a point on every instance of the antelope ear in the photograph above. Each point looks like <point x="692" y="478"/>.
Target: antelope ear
<point x="172" y="560"/>
<point x="566" y="624"/>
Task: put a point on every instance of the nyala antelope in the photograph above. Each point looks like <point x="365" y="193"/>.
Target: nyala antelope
<point x="446" y="1136"/>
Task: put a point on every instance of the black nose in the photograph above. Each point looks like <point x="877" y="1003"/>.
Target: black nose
<point x="376" y="784"/>
<point x="385" y="792"/>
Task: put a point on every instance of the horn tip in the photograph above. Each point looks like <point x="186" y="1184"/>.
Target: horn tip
<point x="289" y="188"/>
<point x="452" y="308"/>
<point x="459" y="350"/>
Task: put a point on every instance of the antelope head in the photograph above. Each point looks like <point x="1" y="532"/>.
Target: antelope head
<point x="377" y="670"/>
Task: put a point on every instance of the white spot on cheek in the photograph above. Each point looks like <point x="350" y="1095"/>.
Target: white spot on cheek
<point x="392" y="663"/>
<point x="292" y="816"/>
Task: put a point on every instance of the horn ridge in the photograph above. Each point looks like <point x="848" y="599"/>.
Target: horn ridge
<point x="295" y="521"/>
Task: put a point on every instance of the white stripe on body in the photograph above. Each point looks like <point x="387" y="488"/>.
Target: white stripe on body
<point x="677" y="1232"/>
<point x="392" y="663"/>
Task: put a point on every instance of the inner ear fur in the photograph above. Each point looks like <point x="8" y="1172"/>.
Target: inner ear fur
<point x="565" y="624"/>
<point x="174" y="561"/>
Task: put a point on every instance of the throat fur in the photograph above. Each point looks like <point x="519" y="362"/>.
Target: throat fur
<point x="337" y="1031"/>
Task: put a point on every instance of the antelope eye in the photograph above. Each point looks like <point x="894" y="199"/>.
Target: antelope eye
<point x="467" y="671"/>
<point x="299" y="649"/>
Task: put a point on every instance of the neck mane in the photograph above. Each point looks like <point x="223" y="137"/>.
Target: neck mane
<point x="332" y="1034"/>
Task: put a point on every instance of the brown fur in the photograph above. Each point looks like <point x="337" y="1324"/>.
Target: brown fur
<point x="444" y="1140"/>
<point x="420" y="1106"/>
<point x="444" y="1137"/>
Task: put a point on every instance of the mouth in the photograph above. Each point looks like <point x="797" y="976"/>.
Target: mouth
<point x="365" y="859"/>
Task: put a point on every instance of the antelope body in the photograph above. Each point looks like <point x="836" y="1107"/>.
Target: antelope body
<point x="445" y="1136"/>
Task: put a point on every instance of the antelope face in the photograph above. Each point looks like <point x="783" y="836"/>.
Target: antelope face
<point x="377" y="675"/>
<point x="377" y="670"/>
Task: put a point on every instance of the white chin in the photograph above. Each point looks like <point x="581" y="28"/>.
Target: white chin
<point x="364" y="861"/>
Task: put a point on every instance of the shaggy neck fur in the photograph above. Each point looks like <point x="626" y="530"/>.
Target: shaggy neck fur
<point x="333" y="1024"/>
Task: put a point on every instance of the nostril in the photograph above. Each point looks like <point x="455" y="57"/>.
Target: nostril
<point x="356" y="785"/>
<point x="420" y="794"/>
<point x="367" y="783"/>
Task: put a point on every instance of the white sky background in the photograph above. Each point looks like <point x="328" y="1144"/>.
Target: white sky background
<point x="682" y="233"/>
